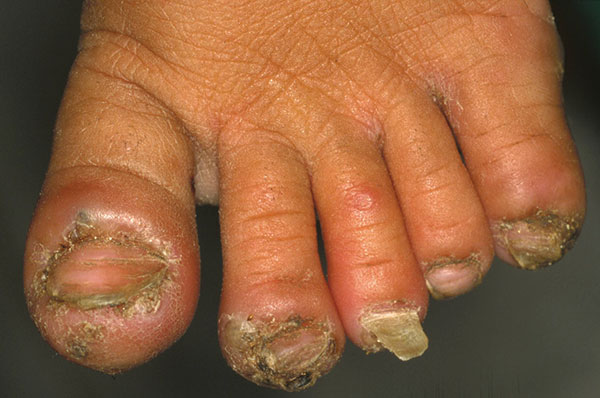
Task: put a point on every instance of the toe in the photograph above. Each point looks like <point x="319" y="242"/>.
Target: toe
<point x="111" y="266"/>
<point x="508" y="119"/>
<point x="445" y="220"/>
<point x="278" y="325"/>
<point x="375" y="280"/>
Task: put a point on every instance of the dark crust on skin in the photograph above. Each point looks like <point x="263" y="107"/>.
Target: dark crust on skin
<point x="247" y="348"/>
<point x="539" y="240"/>
<point x="78" y="341"/>
<point x="77" y="349"/>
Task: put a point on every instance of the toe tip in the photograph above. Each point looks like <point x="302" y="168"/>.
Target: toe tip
<point x="451" y="277"/>
<point x="536" y="241"/>
<point x="289" y="355"/>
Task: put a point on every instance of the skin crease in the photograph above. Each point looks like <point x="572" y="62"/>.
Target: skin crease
<point x="260" y="103"/>
<point x="246" y="76"/>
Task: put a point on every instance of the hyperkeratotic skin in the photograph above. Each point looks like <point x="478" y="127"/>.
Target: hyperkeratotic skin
<point x="289" y="355"/>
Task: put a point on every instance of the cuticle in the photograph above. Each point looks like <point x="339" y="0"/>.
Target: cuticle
<point x="473" y="260"/>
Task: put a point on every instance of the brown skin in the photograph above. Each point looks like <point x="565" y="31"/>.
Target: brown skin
<point x="273" y="109"/>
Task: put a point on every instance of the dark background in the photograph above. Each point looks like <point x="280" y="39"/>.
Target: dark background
<point x="520" y="334"/>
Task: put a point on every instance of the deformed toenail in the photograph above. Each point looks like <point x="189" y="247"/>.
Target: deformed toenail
<point x="539" y="240"/>
<point x="396" y="327"/>
<point x="289" y="355"/>
<point x="102" y="273"/>
<point x="448" y="277"/>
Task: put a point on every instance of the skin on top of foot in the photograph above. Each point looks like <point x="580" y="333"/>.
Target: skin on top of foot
<point x="425" y="137"/>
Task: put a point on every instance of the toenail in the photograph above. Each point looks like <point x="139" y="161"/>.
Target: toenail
<point x="450" y="277"/>
<point x="396" y="327"/>
<point x="91" y="270"/>
<point x="99" y="274"/>
<point x="289" y="355"/>
<point x="539" y="240"/>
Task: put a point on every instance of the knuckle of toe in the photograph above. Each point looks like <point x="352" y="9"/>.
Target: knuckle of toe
<point x="288" y="279"/>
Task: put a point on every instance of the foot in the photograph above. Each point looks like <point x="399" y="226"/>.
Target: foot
<point x="423" y="136"/>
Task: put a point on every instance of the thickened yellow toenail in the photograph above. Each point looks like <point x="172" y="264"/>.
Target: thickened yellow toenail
<point x="396" y="329"/>
<point x="540" y="240"/>
<point x="289" y="355"/>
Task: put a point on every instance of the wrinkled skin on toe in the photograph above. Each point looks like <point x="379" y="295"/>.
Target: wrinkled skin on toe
<point x="288" y="66"/>
<point x="421" y="133"/>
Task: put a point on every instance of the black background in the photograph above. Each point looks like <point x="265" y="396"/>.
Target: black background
<point x="520" y="334"/>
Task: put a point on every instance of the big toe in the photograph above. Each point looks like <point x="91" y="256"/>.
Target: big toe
<point x="111" y="266"/>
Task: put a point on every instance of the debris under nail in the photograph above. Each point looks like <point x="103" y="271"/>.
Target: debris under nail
<point x="289" y="355"/>
<point x="539" y="240"/>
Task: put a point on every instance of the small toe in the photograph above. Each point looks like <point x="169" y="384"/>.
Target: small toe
<point x="445" y="219"/>
<point x="373" y="275"/>
<point x="278" y="324"/>
<point x="509" y="121"/>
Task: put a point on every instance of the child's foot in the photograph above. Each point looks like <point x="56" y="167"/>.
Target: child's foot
<point x="422" y="134"/>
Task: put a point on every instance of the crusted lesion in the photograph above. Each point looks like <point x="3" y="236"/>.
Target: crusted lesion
<point x="539" y="240"/>
<point x="80" y="338"/>
<point x="77" y="348"/>
<point x="289" y="355"/>
<point x="145" y="302"/>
